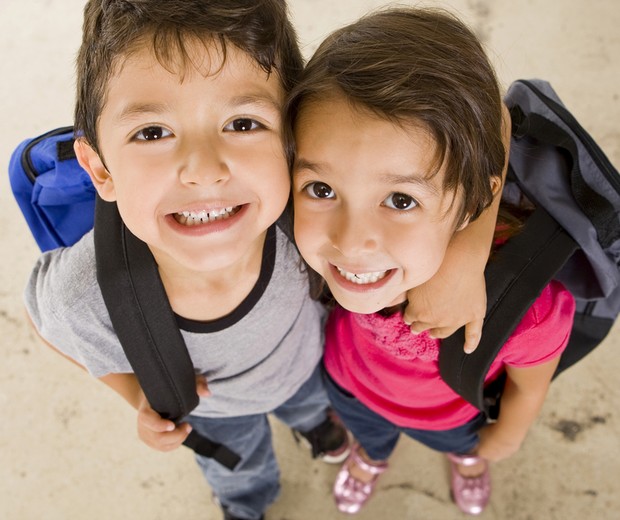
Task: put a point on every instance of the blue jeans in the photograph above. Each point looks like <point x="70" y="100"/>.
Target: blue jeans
<point x="378" y="436"/>
<point x="254" y="484"/>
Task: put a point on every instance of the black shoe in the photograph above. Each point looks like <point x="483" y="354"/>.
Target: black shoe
<point x="329" y="440"/>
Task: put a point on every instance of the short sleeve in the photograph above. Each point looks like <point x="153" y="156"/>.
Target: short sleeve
<point x="544" y="331"/>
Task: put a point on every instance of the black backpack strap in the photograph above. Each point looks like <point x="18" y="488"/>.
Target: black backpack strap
<point x="515" y="277"/>
<point x="145" y="325"/>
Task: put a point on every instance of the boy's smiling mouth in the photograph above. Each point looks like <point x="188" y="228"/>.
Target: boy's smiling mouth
<point x="196" y="218"/>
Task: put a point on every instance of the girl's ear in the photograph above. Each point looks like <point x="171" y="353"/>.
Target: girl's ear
<point x="463" y="225"/>
<point x="496" y="186"/>
<point x="496" y="189"/>
<point x="92" y="163"/>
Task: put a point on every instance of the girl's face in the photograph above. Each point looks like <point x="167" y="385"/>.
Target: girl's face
<point x="371" y="215"/>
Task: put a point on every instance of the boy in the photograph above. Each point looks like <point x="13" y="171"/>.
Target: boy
<point x="178" y="118"/>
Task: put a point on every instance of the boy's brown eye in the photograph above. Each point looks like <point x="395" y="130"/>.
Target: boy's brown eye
<point x="400" y="201"/>
<point x="152" y="133"/>
<point x="244" y="124"/>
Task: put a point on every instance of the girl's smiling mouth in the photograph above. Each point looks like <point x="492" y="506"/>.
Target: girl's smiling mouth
<point x="362" y="278"/>
<point x="361" y="281"/>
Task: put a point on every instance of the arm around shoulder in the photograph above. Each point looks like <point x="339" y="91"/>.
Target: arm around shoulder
<point x="450" y="300"/>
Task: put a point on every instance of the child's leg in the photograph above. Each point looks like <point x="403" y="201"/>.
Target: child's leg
<point x="308" y="413"/>
<point x="470" y="483"/>
<point x="462" y="440"/>
<point x="308" y="407"/>
<point x="253" y="485"/>
<point x="377" y="438"/>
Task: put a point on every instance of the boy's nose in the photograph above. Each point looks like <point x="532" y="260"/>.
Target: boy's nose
<point x="204" y="164"/>
<point x="354" y="233"/>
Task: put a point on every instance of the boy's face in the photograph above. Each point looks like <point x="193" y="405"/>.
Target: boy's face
<point x="196" y="165"/>
<point x="368" y="217"/>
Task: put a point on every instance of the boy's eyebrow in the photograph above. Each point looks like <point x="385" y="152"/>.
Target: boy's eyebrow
<point x="136" y="109"/>
<point x="255" y="99"/>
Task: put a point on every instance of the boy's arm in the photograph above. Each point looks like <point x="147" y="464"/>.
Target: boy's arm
<point x="451" y="299"/>
<point x="522" y="399"/>
<point x="156" y="432"/>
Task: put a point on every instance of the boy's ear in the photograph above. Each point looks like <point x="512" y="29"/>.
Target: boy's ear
<point x="92" y="163"/>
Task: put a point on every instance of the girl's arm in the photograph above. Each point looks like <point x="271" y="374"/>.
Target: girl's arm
<point x="456" y="295"/>
<point x="523" y="397"/>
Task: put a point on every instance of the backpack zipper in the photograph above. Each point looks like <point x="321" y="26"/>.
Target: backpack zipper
<point x="26" y="161"/>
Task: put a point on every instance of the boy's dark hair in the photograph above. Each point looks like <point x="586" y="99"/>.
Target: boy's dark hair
<point x="114" y="29"/>
<point x="416" y="66"/>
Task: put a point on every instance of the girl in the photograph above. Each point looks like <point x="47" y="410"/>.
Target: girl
<point x="397" y="121"/>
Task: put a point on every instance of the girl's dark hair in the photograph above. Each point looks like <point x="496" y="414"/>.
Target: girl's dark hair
<point x="113" y="29"/>
<point x="416" y="66"/>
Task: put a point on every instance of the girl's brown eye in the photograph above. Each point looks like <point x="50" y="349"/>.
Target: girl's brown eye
<point x="319" y="190"/>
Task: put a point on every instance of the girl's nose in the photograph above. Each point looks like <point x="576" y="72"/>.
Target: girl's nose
<point x="354" y="233"/>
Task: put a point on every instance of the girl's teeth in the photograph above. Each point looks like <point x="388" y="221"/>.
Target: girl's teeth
<point x="362" y="278"/>
<point x="192" y="218"/>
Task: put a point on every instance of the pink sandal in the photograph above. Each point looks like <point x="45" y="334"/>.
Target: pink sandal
<point x="351" y="494"/>
<point x="471" y="494"/>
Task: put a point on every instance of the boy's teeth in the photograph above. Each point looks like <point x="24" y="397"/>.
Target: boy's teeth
<point x="362" y="278"/>
<point x="192" y="218"/>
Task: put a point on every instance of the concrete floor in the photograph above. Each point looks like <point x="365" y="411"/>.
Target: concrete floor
<point x="68" y="447"/>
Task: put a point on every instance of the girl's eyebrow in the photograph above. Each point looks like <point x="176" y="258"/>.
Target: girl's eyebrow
<point x="421" y="181"/>
<point x="304" y="164"/>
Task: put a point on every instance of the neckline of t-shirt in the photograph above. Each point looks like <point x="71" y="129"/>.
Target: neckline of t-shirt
<point x="267" y="266"/>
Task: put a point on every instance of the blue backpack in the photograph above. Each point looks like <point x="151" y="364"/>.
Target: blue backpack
<point x="573" y="236"/>
<point x="54" y="193"/>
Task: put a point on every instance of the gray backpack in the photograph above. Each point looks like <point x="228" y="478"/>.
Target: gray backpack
<point x="573" y="236"/>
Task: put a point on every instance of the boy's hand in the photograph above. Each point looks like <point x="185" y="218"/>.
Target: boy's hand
<point x="163" y="434"/>
<point x="444" y="304"/>
<point x="158" y="433"/>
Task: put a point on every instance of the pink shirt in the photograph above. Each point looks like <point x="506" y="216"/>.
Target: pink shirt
<point x="396" y="373"/>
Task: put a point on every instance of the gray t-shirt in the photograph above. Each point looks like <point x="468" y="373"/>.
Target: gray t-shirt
<point x="254" y="359"/>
